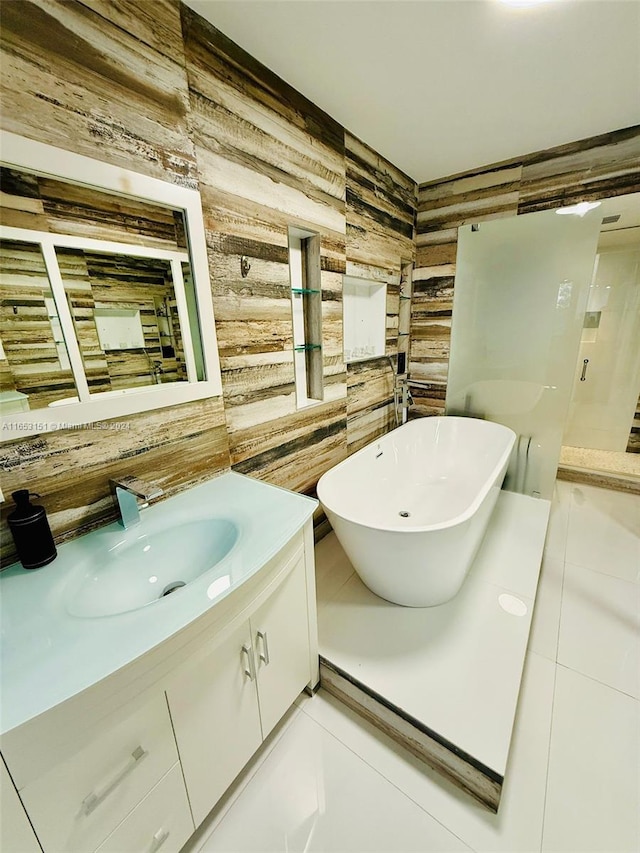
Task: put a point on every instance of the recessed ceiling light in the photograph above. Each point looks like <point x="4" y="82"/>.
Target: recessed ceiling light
<point x="524" y="2"/>
<point x="579" y="209"/>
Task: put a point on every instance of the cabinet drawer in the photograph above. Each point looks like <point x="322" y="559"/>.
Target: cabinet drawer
<point x="80" y="801"/>
<point x="161" y="822"/>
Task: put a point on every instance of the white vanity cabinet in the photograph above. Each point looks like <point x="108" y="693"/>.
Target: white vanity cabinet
<point x="231" y="695"/>
<point x="16" y="834"/>
<point x="214" y="708"/>
<point x="136" y="761"/>
<point x="80" y="801"/>
<point x="280" y="634"/>
<point x="162" y="821"/>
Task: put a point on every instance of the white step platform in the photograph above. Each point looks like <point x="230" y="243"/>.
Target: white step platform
<point x="444" y="681"/>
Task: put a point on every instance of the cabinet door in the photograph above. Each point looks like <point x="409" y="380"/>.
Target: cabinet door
<point x="214" y="708"/>
<point x="280" y="631"/>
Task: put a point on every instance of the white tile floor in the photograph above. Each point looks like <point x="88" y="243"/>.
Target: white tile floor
<point x="327" y="781"/>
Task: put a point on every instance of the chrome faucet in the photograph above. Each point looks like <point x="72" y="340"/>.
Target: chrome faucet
<point x="402" y="399"/>
<point x="126" y="491"/>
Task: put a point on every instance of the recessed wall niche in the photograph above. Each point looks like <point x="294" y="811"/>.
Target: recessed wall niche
<point x="364" y="316"/>
<point x="306" y="309"/>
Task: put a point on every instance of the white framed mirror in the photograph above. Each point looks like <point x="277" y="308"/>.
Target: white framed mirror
<point x="105" y="299"/>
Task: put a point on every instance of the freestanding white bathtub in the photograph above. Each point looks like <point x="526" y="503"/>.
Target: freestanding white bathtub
<point x="410" y="509"/>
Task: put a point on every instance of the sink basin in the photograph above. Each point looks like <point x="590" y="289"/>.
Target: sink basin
<point x="145" y="566"/>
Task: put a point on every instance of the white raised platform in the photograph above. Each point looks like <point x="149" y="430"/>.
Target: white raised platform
<point x="452" y="671"/>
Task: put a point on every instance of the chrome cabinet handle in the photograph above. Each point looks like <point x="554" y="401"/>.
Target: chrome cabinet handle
<point x="264" y="654"/>
<point x="583" y="376"/>
<point x="158" y="840"/>
<point x="250" y="668"/>
<point x="93" y="800"/>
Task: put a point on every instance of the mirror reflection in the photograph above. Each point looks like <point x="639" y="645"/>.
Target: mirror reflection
<point x="125" y="317"/>
<point x="124" y="275"/>
<point x="34" y="363"/>
<point x="43" y="203"/>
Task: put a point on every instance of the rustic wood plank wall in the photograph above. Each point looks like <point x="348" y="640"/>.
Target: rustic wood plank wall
<point x="381" y="210"/>
<point x="104" y="78"/>
<point x="173" y="448"/>
<point x="151" y="87"/>
<point x="107" y="80"/>
<point x="598" y="167"/>
<point x="268" y="160"/>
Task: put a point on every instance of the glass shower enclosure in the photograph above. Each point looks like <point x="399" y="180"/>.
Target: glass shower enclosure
<point x="521" y="292"/>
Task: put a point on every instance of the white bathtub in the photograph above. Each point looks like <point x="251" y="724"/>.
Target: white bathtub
<point x="410" y="509"/>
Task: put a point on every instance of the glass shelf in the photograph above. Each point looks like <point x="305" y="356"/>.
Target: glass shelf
<point x="304" y="347"/>
<point x="303" y="290"/>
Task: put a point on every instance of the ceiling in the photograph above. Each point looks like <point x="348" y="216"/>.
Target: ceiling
<point x="443" y="86"/>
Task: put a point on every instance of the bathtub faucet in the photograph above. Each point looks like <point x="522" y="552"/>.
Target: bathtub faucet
<point x="402" y="400"/>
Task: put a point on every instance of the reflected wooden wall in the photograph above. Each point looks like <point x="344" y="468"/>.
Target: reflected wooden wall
<point x="634" y="437"/>
<point x="32" y="363"/>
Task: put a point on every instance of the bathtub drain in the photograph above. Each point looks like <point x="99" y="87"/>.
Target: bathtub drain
<point x="404" y="514"/>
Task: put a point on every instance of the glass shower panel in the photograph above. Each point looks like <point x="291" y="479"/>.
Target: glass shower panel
<point x="607" y="377"/>
<point x="519" y="302"/>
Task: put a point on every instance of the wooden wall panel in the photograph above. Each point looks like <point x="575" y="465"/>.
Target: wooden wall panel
<point x="381" y="210"/>
<point x="173" y="448"/>
<point x="431" y="314"/>
<point x="370" y="403"/>
<point x="599" y="167"/>
<point x="151" y="87"/>
<point x="268" y="159"/>
<point x="105" y="79"/>
<point x="443" y="207"/>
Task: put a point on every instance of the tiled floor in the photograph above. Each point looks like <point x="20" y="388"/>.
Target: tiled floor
<point x="327" y="781"/>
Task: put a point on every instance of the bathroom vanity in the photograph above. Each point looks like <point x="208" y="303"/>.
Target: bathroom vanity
<point x="122" y="728"/>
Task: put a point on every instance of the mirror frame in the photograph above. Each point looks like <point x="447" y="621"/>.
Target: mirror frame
<point x="48" y="161"/>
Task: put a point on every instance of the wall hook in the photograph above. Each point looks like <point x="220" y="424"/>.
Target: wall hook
<point x="245" y="266"/>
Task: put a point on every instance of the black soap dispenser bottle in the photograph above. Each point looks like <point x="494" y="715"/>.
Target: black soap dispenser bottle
<point x="31" y="532"/>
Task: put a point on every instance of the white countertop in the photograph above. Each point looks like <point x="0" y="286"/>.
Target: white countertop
<point x="49" y="655"/>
